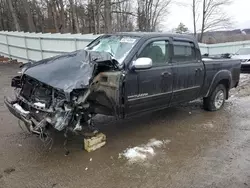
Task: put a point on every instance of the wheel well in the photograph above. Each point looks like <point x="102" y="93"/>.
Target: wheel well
<point x="226" y="83"/>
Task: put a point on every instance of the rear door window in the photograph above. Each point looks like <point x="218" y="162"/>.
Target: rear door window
<point x="183" y="51"/>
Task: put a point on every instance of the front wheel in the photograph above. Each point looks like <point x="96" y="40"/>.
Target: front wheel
<point x="216" y="100"/>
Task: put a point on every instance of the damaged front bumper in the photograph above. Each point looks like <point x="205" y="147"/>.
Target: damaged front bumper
<point x="41" y="107"/>
<point x="18" y="112"/>
<point x="32" y="124"/>
<point x="39" y="114"/>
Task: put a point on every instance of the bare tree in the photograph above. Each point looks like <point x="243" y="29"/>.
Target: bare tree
<point x="107" y="16"/>
<point x="31" y="24"/>
<point x="98" y="15"/>
<point x="62" y="16"/>
<point x="75" y="25"/>
<point x="55" y="15"/>
<point x="4" y="15"/>
<point x="16" y="23"/>
<point x="195" y="6"/>
<point x="38" y="15"/>
<point x="122" y="15"/>
<point x="213" y="17"/>
<point x="150" y="12"/>
<point x="94" y="16"/>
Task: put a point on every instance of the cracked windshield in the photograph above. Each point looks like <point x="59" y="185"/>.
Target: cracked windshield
<point x="117" y="46"/>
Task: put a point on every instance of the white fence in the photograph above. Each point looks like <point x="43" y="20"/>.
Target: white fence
<point x="229" y="47"/>
<point x="35" y="46"/>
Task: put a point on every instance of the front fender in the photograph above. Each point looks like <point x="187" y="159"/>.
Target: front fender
<point x="106" y="90"/>
<point x="218" y="77"/>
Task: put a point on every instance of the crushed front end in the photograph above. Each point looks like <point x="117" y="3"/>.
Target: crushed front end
<point x="40" y="106"/>
<point x="65" y="92"/>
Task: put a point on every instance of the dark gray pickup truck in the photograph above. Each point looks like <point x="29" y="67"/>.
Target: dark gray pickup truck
<point x="121" y="75"/>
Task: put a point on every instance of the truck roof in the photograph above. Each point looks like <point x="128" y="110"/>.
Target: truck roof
<point x="155" y="34"/>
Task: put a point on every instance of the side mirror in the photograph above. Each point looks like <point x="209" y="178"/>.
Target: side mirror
<point x="142" y="63"/>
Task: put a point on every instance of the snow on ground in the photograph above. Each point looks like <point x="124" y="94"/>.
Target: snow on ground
<point x="244" y="78"/>
<point x="143" y="152"/>
<point x="243" y="88"/>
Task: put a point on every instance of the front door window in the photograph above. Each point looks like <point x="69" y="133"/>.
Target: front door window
<point x="157" y="51"/>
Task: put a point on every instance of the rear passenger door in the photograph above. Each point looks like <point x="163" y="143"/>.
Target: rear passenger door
<point x="188" y="71"/>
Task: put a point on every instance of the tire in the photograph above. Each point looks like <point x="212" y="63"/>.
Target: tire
<point x="216" y="100"/>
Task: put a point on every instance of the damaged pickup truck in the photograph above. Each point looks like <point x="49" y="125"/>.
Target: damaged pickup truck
<point x="118" y="75"/>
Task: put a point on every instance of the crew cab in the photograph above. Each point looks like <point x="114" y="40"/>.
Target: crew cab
<point x="121" y="75"/>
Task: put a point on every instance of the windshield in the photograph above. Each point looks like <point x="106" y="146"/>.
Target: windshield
<point x="243" y="51"/>
<point x="117" y="46"/>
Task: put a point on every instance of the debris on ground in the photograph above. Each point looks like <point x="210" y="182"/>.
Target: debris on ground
<point x="66" y="153"/>
<point x="9" y="170"/>
<point x="95" y="142"/>
<point x="7" y="60"/>
<point x="4" y="59"/>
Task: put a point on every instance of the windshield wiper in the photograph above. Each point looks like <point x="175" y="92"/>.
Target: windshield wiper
<point x="111" y="54"/>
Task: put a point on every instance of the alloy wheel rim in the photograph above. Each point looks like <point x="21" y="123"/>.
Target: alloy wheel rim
<point x="219" y="99"/>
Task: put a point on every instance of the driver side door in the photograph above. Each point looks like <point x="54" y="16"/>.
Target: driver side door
<point x="154" y="85"/>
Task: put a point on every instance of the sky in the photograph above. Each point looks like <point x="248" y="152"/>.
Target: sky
<point x="238" y="11"/>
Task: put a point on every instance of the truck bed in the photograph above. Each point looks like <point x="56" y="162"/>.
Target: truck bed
<point x="215" y="66"/>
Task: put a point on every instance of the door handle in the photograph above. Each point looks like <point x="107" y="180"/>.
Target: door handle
<point x="166" y="74"/>
<point x="198" y="69"/>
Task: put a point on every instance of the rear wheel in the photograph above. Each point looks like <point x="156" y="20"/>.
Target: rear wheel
<point x="216" y="100"/>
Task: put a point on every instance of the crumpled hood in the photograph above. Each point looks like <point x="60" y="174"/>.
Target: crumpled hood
<point x="68" y="71"/>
